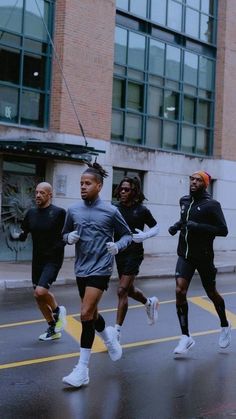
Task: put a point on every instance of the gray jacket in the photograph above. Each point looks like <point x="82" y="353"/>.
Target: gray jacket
<point x="96" y="223"/>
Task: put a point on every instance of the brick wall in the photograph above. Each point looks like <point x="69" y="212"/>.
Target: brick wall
<point x="84" y="38"/>
<point x="225" y="114"/>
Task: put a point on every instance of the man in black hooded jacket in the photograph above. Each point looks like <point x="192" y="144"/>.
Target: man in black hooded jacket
<point x="201" y="220"/>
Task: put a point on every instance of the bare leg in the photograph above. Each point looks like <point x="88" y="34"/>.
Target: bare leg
<point x="46" y="302"/>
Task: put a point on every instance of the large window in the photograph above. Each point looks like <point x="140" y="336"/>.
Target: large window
<point x="163" y="86"/>
<point x="25" y="57"/>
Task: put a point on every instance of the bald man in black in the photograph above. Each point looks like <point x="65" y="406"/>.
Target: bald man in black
<point x="45" y="223"/>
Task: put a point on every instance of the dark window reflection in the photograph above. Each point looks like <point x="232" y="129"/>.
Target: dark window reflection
<point x="9" y="65"/>
<point x="34" y="74"/>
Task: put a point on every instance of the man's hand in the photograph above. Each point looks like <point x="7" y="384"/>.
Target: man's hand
<point x="112" y="248"/>
<point x="73" y="237"/>
<point x="140" y="236"/>
<point x="173" y="230"/>
<point x="15" y="234"/>
<point x="191" y="225"/>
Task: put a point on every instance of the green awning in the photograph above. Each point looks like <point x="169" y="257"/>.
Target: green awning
<point x="48" y="150"/>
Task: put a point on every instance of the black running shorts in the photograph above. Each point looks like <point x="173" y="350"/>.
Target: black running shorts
<point x="128" y="264"/>
<point x="45" y="274"/>
<point x="100" y="282"/>
<point x="185" y="268"/>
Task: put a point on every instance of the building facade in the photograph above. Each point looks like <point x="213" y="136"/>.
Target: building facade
<point x="147" y="86"/>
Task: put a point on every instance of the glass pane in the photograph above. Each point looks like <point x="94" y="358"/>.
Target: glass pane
<point x="206" y="29"/>
<point x="156" y="57"/>
<point x="203" y="141"/>
<point x="203" y="113"/>
<point x="208" y="6"/>
<point x="136" y="56"/>
<point x="153" y="136"/>
<point x="190" y="89"/>
<point x="133" y="129"/>
<point x="188" y="139"/>
<point x="189" y="110"/>
<point x="120" y="45"/>
<point x="10" y="65"/>
<point x="170" y="135"/>
<point x="174" y="19"/>
<point x="172" y="62"/>
<point x="8" y="38"/>
<point x="34" y="17"/>
<point x="11" y="15"/>
<point x="8" y="104"/>
<point x="194" y="3"/>
<point x="134" y="74"/>
<point x="32" y="105"/>
<point x="192" y="23"/>
<point x="135" y="96"/>
<point x="190" y="68"/>
<point x="205" y="94"/>
<point x="171" y="109"/>
<point x="122" y="4"/>
<point x="155" y="101"/>
<point x="158" y="81"/>
<point x="35" y="46"/>
<point x="158" y="11"/>
<point x="138" y="7"/>
<point x="118" y="93"/>
<point x="34" y="71"/>
<point x="206" y="73"/>
<point x="117" y="126"/>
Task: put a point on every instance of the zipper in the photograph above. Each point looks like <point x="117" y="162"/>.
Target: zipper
<point x="186" y="234"/>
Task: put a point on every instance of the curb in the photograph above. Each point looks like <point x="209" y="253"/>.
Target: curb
<point x="8" y="284"/>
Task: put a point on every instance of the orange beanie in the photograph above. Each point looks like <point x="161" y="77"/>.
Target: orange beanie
<point x="205" y="176"/>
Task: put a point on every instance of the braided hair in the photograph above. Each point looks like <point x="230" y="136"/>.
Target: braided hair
<point x="96" y="170"/>
<point x="135" y="184"/>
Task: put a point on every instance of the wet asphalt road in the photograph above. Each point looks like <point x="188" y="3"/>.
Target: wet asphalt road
<point x="148" y="382"/>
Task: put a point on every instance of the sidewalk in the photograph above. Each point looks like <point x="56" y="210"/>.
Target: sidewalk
<point x="18" y="274"/>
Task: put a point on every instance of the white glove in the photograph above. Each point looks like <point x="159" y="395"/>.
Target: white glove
<point x="141" y="235"/>
<point x="112" y="248"/>
<point x="73" y="237"/>
<point x="15" y="234"/>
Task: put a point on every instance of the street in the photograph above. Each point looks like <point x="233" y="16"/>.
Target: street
<point x="148" y="382"/>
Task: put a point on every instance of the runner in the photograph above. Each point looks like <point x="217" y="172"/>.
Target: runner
<point x="90" y="225"/>
<point x="45" y="224"/>
<point x="201" y="221"/>
<point x="130" y="197"/>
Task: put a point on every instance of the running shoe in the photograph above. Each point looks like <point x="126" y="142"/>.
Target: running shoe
<point x="78" y="377"/>
<point x="185" y="343"/>
<point x="61" y="322"/>
<point x="50" y="334"/>
<point x="113" y="346"/>
<point x="152" y="310"/>
<point x="225" y="336"/>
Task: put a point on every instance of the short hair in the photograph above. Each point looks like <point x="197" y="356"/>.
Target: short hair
<point x="96" y="170"/>
<point x="135" y="183"/>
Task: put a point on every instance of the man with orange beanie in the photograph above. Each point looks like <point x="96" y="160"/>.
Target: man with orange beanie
<point x="201" y="220"/>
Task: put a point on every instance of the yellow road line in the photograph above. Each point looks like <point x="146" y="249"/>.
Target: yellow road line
<point x="209" y="307"/>
<point x="99" y="349"/>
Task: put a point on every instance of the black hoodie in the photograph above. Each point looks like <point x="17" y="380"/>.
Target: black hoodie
<point x="201" y="220"/>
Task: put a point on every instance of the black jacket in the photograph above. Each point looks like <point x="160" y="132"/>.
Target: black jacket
<point x="201" y="220"/>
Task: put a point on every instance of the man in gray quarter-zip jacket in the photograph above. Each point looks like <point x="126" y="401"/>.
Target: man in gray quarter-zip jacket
<point x="201" y="220"/>
<point x="91" y="224"/>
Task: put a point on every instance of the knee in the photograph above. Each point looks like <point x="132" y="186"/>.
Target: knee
<point x="39" y="293"/>
<point x="122" y="292"/>
<point x="85" y="314"/>
<point x="181" y="293"/>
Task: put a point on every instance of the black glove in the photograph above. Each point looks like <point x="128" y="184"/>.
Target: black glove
<point x="191" y="225"/>
<point x="173" y="230"/>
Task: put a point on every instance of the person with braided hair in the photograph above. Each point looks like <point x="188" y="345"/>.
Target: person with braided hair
<point x="91" y="225"/>
<point x="130" y="205"/>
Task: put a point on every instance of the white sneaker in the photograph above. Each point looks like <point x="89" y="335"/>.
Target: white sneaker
<point x="152" y="310"/>
<point x="50" y="334"/>
<point x="78" y="377"/>
<point x="61" y="322"/>
<point x="113" y="346"/>
<point x="225" y="336"/>
<point x="185" y="343"/>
